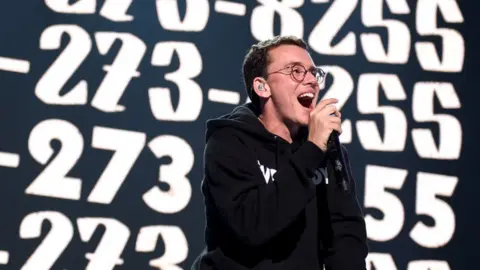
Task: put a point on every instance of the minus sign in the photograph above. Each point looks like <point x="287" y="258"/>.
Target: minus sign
<point x="9" y="160"/>
<point x="223" y="96"/>
<point x="14" y="65"/>
<point x="232" y="8"/>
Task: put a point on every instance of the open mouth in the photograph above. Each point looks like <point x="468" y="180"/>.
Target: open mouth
<point x="306" y="99"/>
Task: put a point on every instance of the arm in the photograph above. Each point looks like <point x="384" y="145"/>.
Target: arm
<point x="256" y="211"/>
<point x="349" y="239"/>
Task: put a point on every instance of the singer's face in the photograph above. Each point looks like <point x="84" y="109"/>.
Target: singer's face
<point x="293" y="94"/>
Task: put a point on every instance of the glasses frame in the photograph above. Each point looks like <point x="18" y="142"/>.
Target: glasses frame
<point x="317" y="72"/>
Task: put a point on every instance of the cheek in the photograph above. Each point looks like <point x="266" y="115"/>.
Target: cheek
<point x="290" y="92"/>
<point x="284" y="94"/>
<point x="281" y="92"/>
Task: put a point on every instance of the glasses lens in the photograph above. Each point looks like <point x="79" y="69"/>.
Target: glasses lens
<point x="320" y="75"/>
<point x="298" y="72"/>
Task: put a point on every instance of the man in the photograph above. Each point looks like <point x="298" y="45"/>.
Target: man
<point x="272" y="197"/>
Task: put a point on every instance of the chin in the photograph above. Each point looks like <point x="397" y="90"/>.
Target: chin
<point x="300" y="116"/>
<point x="303" y="116"/>
<point x="303" y="120"/>
<point x="303" y="123"/>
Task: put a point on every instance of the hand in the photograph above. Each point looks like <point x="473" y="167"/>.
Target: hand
<point x="324" y="119"/>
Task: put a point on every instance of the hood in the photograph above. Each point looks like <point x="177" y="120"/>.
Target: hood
<point x="245" y="119"/>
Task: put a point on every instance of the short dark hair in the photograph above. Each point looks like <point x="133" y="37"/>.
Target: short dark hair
<point x="257" y="60"/>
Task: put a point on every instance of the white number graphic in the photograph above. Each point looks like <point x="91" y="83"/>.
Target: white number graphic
<point x="395" y="132"/>
<point x="108" y="251"/>
<point x="127" y="146"/>
<point x="341" y="89"/>
<point x="262" y="21"/>
<point x="398" y="48"/>
<point x="327" y="28"/>
<point x="54" y="243"/>
<point x="428" y="265"/>
<point x="381" y="261"/>
<point x="189" y="106"/>
<point x="174" y="174"/>
<point x="79" y="7"/>
<point x="195" y="20"/>
<point x="54" y="79"/>
<point x="377" y="179"/>
<point x="429" y="187"/>
<point x="122" y="70"/>
<point x="453" y="46"/>
<point x="52" y="181"/>
<point x="175" y="242"/>
<point x="427" y="203"/>
<point x="450" y="143"/>
<point x="116" y="10"/>
<point x="384" y="261"/>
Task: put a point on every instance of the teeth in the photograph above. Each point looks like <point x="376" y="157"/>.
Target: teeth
<point x="304" y="95"/>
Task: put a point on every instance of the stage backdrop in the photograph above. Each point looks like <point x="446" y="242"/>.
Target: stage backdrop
<point x="103" y="107"/>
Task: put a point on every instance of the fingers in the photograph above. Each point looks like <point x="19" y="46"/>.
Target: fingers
<point x="335" y="120"/>
<point x="336" y="123"/>
<point x="338" y="128"/>
<point x="325" y="102"/>
<point x="327" y="107"/>
<point x="330" y="110"/>
<point x="336" y="113"/>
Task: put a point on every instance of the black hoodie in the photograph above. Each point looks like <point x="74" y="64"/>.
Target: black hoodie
<point x="270" y="204"/>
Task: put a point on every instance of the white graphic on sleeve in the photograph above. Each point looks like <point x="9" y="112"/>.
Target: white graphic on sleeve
<point x="268" y="173"/>
<point x="320" y="175"/>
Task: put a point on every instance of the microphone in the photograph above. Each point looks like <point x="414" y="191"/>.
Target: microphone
<point x="339" y="159"/>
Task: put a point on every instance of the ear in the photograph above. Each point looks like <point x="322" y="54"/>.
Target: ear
<point x="261" y="87"/>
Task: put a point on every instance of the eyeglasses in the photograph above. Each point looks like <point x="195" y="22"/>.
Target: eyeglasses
<point x="298" y="72"/>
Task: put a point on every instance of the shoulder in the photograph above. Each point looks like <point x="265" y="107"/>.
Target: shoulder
<point x="226" y="139"/>
<point x="226" y="151"/>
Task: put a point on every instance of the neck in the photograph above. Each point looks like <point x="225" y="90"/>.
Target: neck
<point x="278" y="127"/>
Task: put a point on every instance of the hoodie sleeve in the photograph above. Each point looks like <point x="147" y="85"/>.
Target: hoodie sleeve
<point x="256" y="211"/>
<point x="349" y="237"/>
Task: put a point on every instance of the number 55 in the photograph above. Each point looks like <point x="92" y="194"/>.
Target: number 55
<point x="429" y="186"/>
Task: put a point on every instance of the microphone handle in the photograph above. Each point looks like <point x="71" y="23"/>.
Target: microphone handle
<point x="339" y="159"/>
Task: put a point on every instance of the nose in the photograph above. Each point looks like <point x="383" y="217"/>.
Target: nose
<point x="310" y="79"/>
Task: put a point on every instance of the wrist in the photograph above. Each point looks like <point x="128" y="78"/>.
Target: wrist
<point x="320" y="145"/>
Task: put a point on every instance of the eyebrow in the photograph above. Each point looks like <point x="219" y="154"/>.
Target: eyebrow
<point x="299" y="63"/>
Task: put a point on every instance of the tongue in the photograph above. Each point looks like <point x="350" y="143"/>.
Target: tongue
<point x="305" y="101"/>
